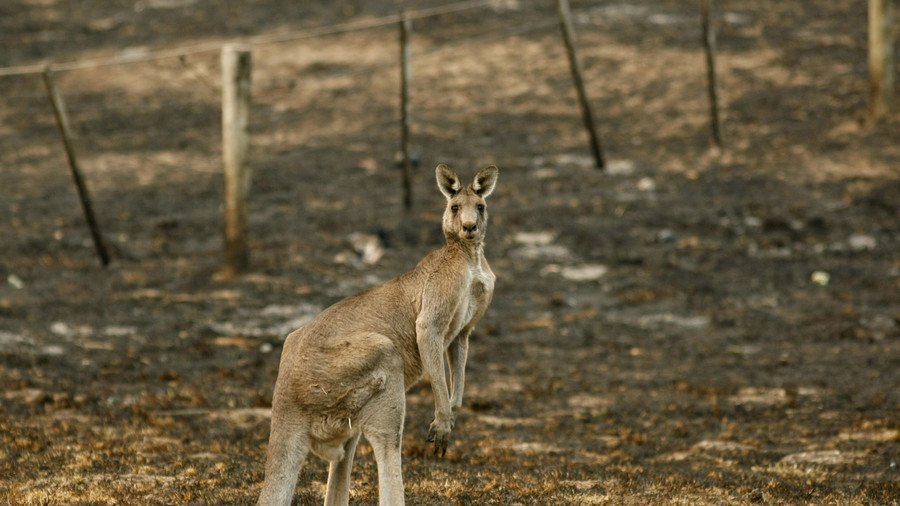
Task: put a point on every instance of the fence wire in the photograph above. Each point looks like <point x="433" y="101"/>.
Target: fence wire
<point x="138" y="56"/>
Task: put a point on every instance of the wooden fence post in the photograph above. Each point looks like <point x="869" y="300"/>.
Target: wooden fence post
<point x="62" y="121"/>
<point x="405" y="74"/>
<point x="565" y="21"/>
<point x="235" y="139"/>
<point x="881" y="58"/>
<point x="709" y="47"/>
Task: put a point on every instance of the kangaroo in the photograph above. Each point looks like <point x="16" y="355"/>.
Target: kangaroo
<point x="346" y="373"/>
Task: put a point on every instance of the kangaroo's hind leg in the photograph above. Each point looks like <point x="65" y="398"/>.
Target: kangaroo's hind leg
<point x="288" y="447"/>
<point x="338" y="491"/>
<point x="384" y="431"/>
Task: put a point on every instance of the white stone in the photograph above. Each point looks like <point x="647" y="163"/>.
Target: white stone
<point x="862" y="242"/>
<point x="119" y="331"/>
<point x="620" y="167"/>
<point x="645" y="184"/>
<point x="53" y="350"/>
<point x="535" y="238"/>
<point x="653" y="320"/>
<point x="587" y="272"/>
<point x="61" y="329"/>
<point x="820" y="278"/>
<point x="576" y="160"/>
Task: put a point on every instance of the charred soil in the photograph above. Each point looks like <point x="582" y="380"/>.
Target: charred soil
<point x="692" y="326"/>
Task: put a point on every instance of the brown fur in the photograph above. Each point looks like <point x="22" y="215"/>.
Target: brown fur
<point x="345" y="374"/>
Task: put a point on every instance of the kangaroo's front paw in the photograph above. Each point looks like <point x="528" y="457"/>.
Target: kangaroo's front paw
<point x="439" y="434"/>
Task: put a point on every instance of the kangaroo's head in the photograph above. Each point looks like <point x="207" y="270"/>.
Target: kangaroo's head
<point x="465" y="217"/>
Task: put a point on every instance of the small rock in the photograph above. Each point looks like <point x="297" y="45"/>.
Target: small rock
<point x="60" y="329"/>
<point x="265" y="348"/>
<point x="862" y="242"/>
<point x="665" y="235"/>
<point x="760" y="395"/>
<point x="53" y="350"/>
<point x="132" y="53"/>
<point x="535" y="238"/>
<point x="506" y="5"/>
<point x="281" y="310"/>
<point x="753" y="221"/>
<point x="542" y="252"/>
<point x="119" y="331"/>
<point x="620" y="167"/>
<point x="15" y="281"/>
<point x="656" y="320"/>
<point x="576" y="160"/>
<point x="820" y="278"/>
<point x="668" y="19"/>
<point x="368" y="247"/>
<point x="589" y="272"/>
<point x="737" y="18"/>
<point x="105" y="24"/>
<point x="645" y="184"/>
<point x="65" y="330"/>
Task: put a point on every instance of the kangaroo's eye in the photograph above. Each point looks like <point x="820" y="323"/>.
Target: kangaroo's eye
<point x="455" y="209"/>
<point x="481" y="208"/>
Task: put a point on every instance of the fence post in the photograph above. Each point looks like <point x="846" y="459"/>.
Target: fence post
<point x="709" y="48"/>
<point x="235" y="139"/>
<point x="405" y="75"/>
<point x="62" y="121"/>
<point x="565" y="21"/>
<point x="881" y="58"/>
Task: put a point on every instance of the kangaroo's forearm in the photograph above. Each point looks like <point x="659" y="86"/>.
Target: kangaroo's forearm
<point x="432" y="356"/>
<point x="458" y="352"/>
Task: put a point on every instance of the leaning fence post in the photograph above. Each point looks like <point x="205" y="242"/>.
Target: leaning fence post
<point x="709" y="47"/>
<point x="62" y="121"/>
<point x="235" y="139"/>
<point x="881" y="58"/>
<point x="405" y="74"/>
<point x="565" y="21"/>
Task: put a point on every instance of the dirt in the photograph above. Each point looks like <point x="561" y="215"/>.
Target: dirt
<point x="691" y="326"/>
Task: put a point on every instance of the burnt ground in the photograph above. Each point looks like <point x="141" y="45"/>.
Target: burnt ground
<point x="693" y="326"/>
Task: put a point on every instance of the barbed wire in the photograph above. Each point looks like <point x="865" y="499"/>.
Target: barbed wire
<point x="138" y="55"/>
<point x="198" y="75"/>
<point x="521" y="30"/>
<point x="417" y="56"/>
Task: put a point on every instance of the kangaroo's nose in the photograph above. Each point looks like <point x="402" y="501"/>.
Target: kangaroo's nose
<point x="469" y="227"/>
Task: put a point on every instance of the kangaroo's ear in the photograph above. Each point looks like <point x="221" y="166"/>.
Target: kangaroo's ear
<point x="485" y="181"/>
<point x="447" y="181"/>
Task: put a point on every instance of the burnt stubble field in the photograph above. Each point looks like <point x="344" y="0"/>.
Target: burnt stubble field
<point x="692" y="326"/>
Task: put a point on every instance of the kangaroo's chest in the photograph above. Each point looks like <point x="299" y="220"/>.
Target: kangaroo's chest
<point x="478" y="296"/>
